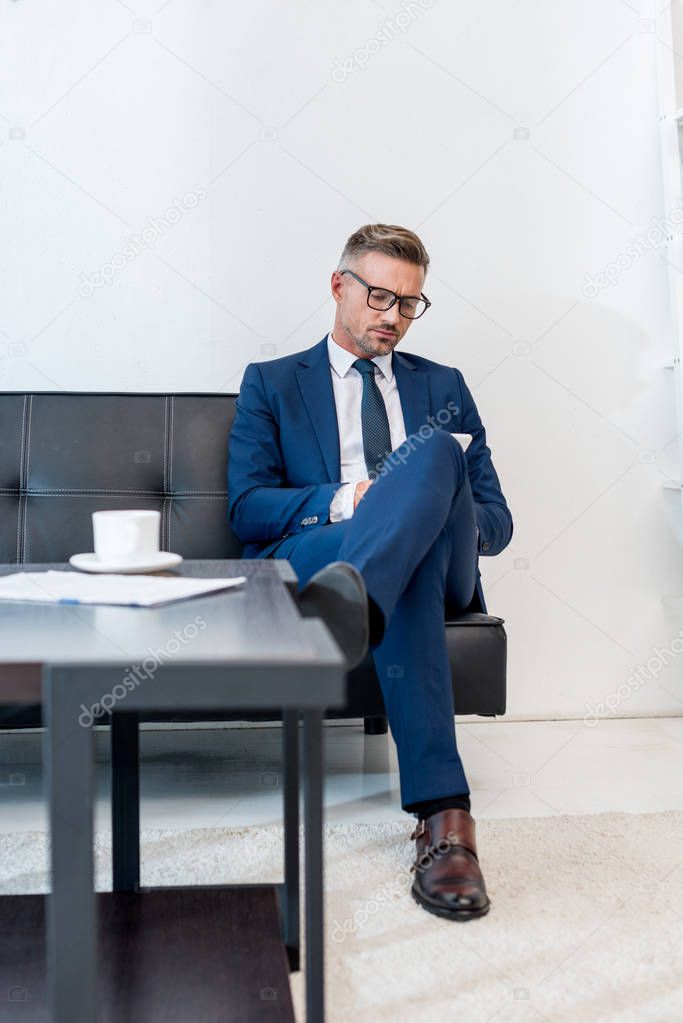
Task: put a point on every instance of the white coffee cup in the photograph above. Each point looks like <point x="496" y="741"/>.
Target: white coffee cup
<point x="126" y="537"/>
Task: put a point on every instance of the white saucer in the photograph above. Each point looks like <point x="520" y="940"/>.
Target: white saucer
<point x="153" y="563"/>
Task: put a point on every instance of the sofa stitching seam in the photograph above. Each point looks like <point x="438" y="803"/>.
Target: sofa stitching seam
<point x="28" y="459"/>
<point x="84" y="491"/>
<point x="170" y="470"/>
<point x="22" y="480"/>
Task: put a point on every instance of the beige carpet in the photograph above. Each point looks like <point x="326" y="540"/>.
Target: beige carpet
<point x="586" y="921"/>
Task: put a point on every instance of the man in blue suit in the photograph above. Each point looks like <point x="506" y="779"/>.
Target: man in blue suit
<point x="343" y="453"/>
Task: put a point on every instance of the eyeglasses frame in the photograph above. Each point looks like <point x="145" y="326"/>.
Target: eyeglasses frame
<point x="396" y="298"/>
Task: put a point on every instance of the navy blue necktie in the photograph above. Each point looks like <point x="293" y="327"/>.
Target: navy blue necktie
<point x="374" y="419"/>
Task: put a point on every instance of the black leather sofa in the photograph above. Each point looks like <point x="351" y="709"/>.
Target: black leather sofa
<point x="64" y="455"/>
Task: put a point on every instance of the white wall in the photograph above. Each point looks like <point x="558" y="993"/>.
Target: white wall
<point x="111" y="111"/>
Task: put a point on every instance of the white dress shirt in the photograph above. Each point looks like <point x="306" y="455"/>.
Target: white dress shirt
<point x="348" y="391"/>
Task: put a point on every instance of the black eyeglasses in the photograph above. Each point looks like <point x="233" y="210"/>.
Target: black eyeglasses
<point x="409" y="306"/>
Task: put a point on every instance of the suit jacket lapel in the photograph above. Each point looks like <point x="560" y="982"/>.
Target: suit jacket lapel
<point x="413" y="388"/>
<point x="315" y="381"/>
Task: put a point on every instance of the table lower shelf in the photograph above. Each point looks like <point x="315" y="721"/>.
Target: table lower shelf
<point x="165" y="954"/>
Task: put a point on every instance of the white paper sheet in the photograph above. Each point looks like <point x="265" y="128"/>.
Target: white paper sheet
<point x="463" y="439"/>
<point x="125" y="590"/>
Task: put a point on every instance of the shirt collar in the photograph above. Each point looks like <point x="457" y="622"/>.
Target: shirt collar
<point x="341" y="360"/>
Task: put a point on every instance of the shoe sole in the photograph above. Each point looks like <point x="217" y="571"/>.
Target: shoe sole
<point x="353" y="589"/>
<point x="450" y="914"/>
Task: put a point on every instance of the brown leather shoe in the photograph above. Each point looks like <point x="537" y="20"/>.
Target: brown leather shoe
<point x="448" y="879"/>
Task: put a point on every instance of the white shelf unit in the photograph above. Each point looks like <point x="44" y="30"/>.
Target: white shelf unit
<point x="669" y="51"/>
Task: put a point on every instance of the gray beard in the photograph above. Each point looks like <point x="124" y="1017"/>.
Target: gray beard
<point x="368" y="346"/>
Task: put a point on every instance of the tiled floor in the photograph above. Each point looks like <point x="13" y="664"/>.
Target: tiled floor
<point x="231" y="776"/>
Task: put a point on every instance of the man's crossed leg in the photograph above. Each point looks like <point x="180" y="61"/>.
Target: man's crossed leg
<point x="413" y="537"/>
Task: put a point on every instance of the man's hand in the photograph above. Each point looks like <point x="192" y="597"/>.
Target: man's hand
<point x="360" y="490"/>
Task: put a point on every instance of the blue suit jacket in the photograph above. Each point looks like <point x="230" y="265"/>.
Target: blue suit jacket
<point x="284" y="464"/>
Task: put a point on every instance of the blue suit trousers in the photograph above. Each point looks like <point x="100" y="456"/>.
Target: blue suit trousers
<point x="413" y="537"/>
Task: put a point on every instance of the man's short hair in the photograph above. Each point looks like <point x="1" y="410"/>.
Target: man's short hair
<point x="390" y="239"/>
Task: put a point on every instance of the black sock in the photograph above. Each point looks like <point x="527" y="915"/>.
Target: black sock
<point x="430" y="806"/>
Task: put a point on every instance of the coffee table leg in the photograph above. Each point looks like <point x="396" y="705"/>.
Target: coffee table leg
<point x="125" y="802"/>
<point x="313" y="818"/>
<point x="71" y="911"/>
<point x="290" y="915"/>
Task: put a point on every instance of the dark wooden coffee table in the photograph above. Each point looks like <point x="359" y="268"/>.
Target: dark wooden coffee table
<point x="191" y="953"/>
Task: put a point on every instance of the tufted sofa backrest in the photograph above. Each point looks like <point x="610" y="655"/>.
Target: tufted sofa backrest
<point x="64" y="455"/>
